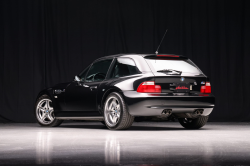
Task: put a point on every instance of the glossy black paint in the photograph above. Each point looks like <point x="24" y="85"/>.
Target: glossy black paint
<point x="153" y="104"/>
<point x="76" y="98"/>
<point x="83" y="99"/>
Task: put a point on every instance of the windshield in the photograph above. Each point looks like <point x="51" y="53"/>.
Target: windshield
<point x="184" y="66"/>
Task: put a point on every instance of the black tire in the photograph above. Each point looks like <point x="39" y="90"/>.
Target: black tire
<point x="125" y="119"/>
<point x="54" y="123"/>
<point x="193" y="123"/>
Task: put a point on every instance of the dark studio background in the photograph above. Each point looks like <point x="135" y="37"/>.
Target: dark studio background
<point x="44" y="42"/>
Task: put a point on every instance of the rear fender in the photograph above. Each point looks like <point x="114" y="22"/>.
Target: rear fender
<point x="100" y="101"/>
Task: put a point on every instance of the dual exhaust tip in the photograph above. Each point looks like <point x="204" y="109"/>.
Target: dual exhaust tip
<point x="168" y="112"/>
<point x="198" y="112"/>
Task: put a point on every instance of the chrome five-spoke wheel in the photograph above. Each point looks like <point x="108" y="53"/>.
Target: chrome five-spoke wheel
<point x="112" y="111"/>
<point x="116" y="115"/>
<point x="45" y="111"/>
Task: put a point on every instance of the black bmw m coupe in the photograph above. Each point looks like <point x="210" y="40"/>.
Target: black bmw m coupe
<point x="117" y="89"/>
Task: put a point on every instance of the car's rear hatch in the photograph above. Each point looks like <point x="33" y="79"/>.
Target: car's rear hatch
<point x="176" y="74"/>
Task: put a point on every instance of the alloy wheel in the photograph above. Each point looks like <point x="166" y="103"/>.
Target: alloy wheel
<point x="112" y="111"/>
<point x="45" y="111"/>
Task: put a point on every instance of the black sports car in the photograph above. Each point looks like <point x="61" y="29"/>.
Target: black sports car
<point x="118" y="88"/>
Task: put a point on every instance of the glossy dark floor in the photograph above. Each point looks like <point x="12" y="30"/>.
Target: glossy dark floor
<point x="154" y="143"/>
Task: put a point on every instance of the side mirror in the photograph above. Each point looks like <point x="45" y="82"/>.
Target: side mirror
<point x="77" y="79"/>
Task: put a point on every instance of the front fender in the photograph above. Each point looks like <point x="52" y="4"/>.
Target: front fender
<point x="49" y="92"/>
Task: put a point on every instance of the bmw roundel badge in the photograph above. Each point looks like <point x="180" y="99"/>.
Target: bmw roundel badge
<point x="182" y="79"/>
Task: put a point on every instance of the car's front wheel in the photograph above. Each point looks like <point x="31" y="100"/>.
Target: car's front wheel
<point x="116" y="115"/>
<point x="45" y="112"/>
<point x="193" y="123"/>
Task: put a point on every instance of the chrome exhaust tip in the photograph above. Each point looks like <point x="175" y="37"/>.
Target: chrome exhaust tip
<point x="167" y="112"/>
<point x="198" y="112"/>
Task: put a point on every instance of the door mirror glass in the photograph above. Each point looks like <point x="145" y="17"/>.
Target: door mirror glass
<point x="77" y="78"/>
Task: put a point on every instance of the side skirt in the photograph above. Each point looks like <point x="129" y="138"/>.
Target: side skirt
<point x="94" y="118"/>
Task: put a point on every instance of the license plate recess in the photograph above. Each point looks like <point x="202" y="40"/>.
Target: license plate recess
<point x="182" y="87"/>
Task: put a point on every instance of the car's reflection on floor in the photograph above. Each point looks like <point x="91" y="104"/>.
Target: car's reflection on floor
<point x="44" y="147"/>
<point x="112" y="150"/>
<point x="148" y="144"/>
<point x="97" y="145"/>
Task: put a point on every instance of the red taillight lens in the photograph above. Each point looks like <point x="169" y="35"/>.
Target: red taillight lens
<point x="206" y="88"/>
<point x="149" y="87"/>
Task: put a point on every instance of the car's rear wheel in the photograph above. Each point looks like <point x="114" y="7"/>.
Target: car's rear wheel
<point x="116" y="115"/>
<point x="45" y="112"/>
<point x="193" y="123"/>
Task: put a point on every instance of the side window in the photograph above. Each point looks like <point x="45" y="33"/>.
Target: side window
<point x="83" y="74"/>
<point x="98" y="71"/>
<point x="124" y="67"/>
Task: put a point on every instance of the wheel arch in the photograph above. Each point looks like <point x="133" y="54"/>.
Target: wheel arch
<point x="125" y="119"/>
<point x="48" y="92"/>
<point x="105" y="95"/>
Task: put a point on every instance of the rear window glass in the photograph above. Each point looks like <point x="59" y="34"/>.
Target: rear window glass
<point x="186" y="65"/>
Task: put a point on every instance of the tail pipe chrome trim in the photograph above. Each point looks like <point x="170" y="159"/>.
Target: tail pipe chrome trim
<point x="167" y="112"/>
<point x="198" y="112"/>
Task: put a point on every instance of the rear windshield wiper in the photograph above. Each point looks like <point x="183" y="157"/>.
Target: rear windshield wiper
<point x="170" y="71"/>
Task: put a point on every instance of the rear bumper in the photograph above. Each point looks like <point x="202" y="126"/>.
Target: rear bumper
<point x="149" y="104"/>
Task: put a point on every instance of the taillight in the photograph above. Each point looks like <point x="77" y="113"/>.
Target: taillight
<point x="206" y="88"/>
<point x="149" y="87"/>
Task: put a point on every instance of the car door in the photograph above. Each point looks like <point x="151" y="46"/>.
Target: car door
<point x="81" y="95"/>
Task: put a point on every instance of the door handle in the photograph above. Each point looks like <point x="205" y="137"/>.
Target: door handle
<point x="81" y="84"/>
<point x="93" y="87"/>
<point x="85" y="85"/>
